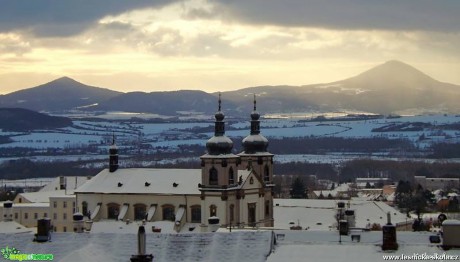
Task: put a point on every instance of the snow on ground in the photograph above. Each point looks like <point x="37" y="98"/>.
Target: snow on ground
<point x="162" y="127"/>
<point x="172" y="135"/>
<point x="29" y="182"/>
<point x="52" y="140"/>
<point x="316" y="214"/>
<point x="325" y="246"/>
<point x="105" y="247"/>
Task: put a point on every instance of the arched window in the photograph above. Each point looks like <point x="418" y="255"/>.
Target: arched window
<point x="168" y="212"/>
<point x="266" y="173"/>
<point x="139" y="211"/>
<point x="213" y="210"/>
<point x="231" y="176"/>
<point x="267" y="208"/>
<point x="196" y="213"/>
<point x="232" y="212"/>
<point x="84" y="207"/>
<point x="113" y="210"/>
<point x="213" y="179"/>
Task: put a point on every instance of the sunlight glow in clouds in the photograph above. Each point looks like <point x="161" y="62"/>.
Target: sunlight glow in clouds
<point x="212" y="45"/>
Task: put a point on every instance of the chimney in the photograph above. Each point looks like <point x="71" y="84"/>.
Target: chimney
<point x="141" y="243"/>
<point x="62" y="183"/>
<point x="113" y="158"/>
<point x="8" y="211"/>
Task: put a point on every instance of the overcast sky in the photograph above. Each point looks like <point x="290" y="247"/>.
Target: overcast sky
<point x="221" y="44"/>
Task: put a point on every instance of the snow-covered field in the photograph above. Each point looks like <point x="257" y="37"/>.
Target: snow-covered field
<point x="172" y="135"/>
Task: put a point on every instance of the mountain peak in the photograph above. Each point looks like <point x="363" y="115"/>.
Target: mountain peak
<point x="393" y="73"/>
<point x="60" y="94"/>
<point x="64" y="80"/>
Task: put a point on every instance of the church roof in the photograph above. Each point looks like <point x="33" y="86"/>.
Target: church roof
<point x="219" y="144"/>
<point x="255" y="142"/>
<point x="144" y="181"/>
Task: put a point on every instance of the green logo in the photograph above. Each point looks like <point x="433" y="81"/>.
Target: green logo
<point x="11" y="253"/>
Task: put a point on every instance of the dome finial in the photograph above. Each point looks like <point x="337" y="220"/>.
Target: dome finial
<point x="255" y="102"/>
<point x="220" y="102"/>
<point x="113" y="138"/>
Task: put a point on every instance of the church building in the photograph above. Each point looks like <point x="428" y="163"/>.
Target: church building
<point x="235" y="188"/>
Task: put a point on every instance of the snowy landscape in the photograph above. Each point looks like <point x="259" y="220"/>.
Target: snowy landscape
<point x="97" y="135"/>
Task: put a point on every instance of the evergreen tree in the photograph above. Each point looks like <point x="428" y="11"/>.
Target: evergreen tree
<point x="403" y="195"/>
<point x="298" y="188"/>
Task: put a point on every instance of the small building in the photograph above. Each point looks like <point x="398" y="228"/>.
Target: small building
<point x="55" y="200"/>
<point x="451" y="233"/>
<point x="434" y="183"/>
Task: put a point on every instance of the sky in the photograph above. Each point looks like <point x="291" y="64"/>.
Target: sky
<point x="219" y="45"/>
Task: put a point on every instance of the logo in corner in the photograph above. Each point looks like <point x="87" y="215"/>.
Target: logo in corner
<point x="11" y="253"/>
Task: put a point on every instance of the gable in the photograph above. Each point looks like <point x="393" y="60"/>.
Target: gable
<point x="252" y="181"/>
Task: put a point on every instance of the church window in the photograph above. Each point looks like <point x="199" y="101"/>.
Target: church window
<point x="232" y="212"/>
<point x="267" y="208"/>
<point x="213" y="179"/>
<point x="231" y="176"/>
<point x="196" y="214"/>
<point x="213" y="210"/>
<point x="84" y="206"/>
<point x="266" y="174"/>
<point x="251" y="180"/>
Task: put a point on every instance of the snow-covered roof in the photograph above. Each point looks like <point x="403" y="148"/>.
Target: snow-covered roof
<point x="35" y="204"/>
<point x="374" y="179"/>
<point x="251" y="246"/>
<point x="219" y="156"/>
<point x="13" y="227"/>
<point x="319" y="214"/>
<point x="42" y="196"/>
<point x="325" y="246"/>
<point x="451" y="222"/>
<point x="256" y="154"/>
<point x="71" y="183"/>
<point x="144" y="181"/>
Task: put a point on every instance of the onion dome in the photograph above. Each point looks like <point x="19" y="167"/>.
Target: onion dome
<point x="219" y="144"/>
<point x="255" y="142"/>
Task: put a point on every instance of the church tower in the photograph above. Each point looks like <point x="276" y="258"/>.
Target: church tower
<point x="113" y="158"/>
<point x="255" y="157"/>
<point x="219" y="166"/>
<point x="219" y="175"/>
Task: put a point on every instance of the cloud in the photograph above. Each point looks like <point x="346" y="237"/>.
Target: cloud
<point x="62" y="18"/>
<point x="13" y="44"/>
<point x="346" y="14"/>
